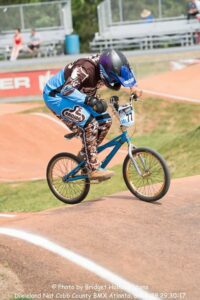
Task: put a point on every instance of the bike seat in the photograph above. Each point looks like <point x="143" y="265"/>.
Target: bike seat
<point x="70" y="136"/>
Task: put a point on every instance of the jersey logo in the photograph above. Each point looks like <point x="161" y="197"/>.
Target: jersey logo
<point x="75" y="114"/>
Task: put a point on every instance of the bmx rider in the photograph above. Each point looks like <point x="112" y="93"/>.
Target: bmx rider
<point x="71" y="95"/>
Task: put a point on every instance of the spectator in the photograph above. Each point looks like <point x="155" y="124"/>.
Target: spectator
<point x="198" y="8"/>
<point x="147" y="16"/>
<point x="197" y="37"/>
<point x="197" y="2"/>
<point x="193" y="7"/>
<point x="17" y="44"/>
<point x="34" y="44"/>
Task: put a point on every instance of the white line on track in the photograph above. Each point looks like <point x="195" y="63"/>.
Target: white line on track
<point x="172" y="96"/>
<point x="79" y="260"/>
<point x="7" y="216"/>
<point x="52" y="119"/>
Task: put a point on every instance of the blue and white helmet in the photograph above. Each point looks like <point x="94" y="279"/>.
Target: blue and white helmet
<point x="115" y="70"/>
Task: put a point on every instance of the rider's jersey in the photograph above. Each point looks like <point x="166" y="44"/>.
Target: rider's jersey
<point x="77" y="80"/>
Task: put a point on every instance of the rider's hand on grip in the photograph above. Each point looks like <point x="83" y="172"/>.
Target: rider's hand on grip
<point x="136" y="93"/>
<point x="114" y="100"/>
<point x="134" y="97"/>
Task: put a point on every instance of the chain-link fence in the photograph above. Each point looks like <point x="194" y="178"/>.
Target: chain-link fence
<point x="130" y="10"/>
<point x="35" y="15"/>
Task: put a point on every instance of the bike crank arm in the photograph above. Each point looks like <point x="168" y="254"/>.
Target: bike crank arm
<point x="74" y="178"/>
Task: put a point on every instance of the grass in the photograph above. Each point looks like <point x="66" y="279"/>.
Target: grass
<point x="41" y="108"/>
<point x="150" y="68"/>
<point x="146" y="65"/>
<point x="159" y="117"/>
<point x="171" y="128"/>
<point x="181" y="151"/>
<point x="35" y="196"/>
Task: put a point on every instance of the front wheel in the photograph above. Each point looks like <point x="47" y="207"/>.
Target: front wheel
<point x="68" y="192"/>
<point x="148" y="178"/>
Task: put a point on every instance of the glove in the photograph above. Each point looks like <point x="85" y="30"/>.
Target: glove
<point x="136" y="93"/>
<point x="114" y="100"/>
<point x="98" y="105"/>
<point x="134" y="97"/>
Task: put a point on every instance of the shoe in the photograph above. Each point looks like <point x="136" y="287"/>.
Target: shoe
<point x="101" y="174"/>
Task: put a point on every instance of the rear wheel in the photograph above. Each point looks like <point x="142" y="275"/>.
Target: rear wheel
<point x="153" y="182"/>
<point x="68" y="192"/>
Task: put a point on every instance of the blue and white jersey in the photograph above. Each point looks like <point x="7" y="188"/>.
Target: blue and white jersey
<point x="76" y="80"/>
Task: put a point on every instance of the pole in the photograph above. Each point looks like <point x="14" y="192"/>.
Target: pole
<point x="22" y="17"/>
<point x="109" y="12"/>
<point x="120" y="11"/>
<point x="160" y="9"/>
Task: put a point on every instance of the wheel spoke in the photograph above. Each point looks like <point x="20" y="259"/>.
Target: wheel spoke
<point x="151" y="183"/>
<point x="68" y="190"/>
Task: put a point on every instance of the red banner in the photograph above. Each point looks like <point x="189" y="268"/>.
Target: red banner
<point x="30" y="83"/>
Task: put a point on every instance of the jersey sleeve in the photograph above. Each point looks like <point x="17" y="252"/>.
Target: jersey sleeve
<point x="73" y="83"/>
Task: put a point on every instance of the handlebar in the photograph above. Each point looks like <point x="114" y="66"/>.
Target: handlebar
<point x="114" y="100"/>
<point x="134" y="97"/>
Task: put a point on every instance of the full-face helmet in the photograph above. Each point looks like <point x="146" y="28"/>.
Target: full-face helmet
<point x="115" y="70"/>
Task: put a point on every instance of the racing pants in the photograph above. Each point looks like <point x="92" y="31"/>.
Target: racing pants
<point x="82" y="119"/>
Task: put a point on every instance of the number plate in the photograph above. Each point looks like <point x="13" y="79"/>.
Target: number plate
<point x="126" y="115"/>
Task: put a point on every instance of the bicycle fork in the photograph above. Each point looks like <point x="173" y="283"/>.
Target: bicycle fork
<point x="130" y="148"/>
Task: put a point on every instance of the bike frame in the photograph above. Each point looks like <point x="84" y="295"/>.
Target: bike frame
<point x="116" y="143"/>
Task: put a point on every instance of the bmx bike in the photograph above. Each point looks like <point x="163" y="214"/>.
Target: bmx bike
<point x="144" y="170"/>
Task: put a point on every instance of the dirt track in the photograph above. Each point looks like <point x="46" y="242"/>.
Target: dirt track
<point x="29" y="141"/>
<point x="180" y="83"/>
<point x="152" y="245"/>
<point x="8" y="108"/>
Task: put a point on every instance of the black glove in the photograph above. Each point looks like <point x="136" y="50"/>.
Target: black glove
<point x="99" y="105"/>
<point x="115" y="102"/>
<point x="114" y="99"/>
<point x="134" y="97"/>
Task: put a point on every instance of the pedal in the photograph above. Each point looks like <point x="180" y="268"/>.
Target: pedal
<point x="104" y="179"/>
<point x="71" y="135"/>
<point x="96" y="181"/>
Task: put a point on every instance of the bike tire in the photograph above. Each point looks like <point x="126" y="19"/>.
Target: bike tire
<point x="131" y="183"/>
<point x="61" y="193"/>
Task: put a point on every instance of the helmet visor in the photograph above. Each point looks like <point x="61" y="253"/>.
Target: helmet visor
<point x="126" y="77"/>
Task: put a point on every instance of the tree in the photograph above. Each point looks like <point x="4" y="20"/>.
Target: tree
<point x="85" y="21"/>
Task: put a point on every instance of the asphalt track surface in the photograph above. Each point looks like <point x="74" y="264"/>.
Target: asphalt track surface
<point x="154" y="246"/>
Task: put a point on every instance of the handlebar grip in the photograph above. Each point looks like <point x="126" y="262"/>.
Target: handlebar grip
<point x="134" y="97"/>
<point x="116" y="106"/>
<point x="114" y="99"/>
